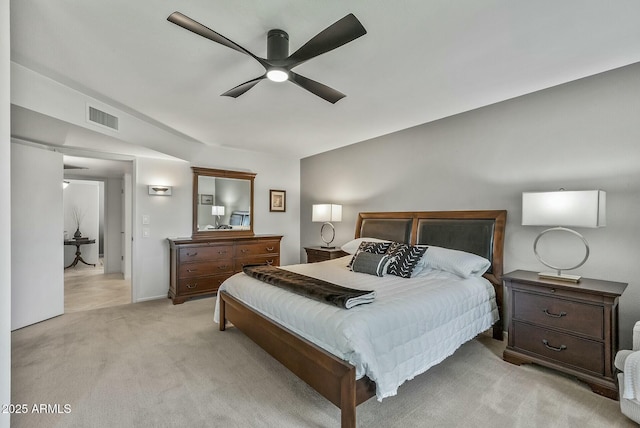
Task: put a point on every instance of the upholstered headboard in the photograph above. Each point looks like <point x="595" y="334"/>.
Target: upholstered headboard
<point x="477" y="232"/>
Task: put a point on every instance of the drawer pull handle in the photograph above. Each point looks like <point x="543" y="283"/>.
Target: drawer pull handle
<point x="560" y="315"/>
<point x="269" y="248"/>
<point x="192" y="254"/>
<point x="244" y="250"/>
<point x="269" y="262"/>
<point x="553" y="348"/>
<point x="222" y="252"/>
<point x="222" y="267"/>
<point x="192" y="270"/>
<point x="192" y="285"/>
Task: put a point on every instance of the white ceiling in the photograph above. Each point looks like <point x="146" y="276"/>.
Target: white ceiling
<point x="421" y="60"/>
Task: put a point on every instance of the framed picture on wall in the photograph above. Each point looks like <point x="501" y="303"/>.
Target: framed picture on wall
<point x="277" y="200"/>
<point x="206" y="199"/>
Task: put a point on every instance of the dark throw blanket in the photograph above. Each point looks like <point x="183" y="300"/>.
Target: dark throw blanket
<point x="312" y="288"/>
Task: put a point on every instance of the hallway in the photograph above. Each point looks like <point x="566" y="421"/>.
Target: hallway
<point x="87" y="287"/>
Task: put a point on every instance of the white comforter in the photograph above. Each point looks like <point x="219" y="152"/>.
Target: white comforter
<point x="412" y="325"/>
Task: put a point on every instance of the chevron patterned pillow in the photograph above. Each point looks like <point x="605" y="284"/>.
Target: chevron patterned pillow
<point x="371" y="247"/>
<point x="405" y="258"/>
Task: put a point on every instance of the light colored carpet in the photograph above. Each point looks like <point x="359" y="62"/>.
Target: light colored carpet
<point x="154" y="364"/>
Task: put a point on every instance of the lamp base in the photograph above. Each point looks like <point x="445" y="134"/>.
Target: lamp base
<point x="560" y="276"/>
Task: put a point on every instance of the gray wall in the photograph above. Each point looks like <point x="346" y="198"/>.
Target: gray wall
<point x="578" y="136"/>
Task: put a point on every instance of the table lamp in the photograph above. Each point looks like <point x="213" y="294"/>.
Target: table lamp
<point x="217" y="210"/>
<point x="563" y="209"/>
<point x="327" y="213"/>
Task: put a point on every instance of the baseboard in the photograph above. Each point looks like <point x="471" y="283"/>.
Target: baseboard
<point x="146" y="299"/>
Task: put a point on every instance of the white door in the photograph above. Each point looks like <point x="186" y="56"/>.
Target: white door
<point x="37" y="234"/>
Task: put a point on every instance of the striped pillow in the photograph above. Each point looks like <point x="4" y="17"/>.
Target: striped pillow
<point x="372" y="264"/>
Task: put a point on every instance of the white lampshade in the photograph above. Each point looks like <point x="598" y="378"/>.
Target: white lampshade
<point x="584" y="208"/>
<point x="326" y="212"/>
<point x="217" y="210"/>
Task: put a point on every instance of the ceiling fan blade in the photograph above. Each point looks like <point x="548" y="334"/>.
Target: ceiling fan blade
<point x="334" y="36"/>
<point x="195" y="27"/>
<point x="317" y="88"/>
<point x="243" y="87"/>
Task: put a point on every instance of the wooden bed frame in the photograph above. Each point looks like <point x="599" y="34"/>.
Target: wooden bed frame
<point x="479" y="232"/>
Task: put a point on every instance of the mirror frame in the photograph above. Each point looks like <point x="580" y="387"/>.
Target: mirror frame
<point x="221" y="173"/>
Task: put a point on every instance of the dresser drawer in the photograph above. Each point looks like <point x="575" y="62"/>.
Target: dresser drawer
<point x="257" y="260"/>
<point x="205" y="284"/>
<point x="190" y="270"/>
<point x="580" y="318"/>
<point x="564" y="348"/>
<point x="256" y="248"/>
<point x="202" y="253"/>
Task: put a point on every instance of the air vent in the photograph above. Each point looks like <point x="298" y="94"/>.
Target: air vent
<point x="101" y="118"/>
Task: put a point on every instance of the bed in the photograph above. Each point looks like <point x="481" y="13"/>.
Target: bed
<point x="343" y="374"/>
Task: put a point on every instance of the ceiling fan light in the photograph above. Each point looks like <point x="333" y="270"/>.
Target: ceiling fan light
<point x="277" y="75"/>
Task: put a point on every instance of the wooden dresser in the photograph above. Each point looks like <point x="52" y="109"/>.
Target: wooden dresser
<point x="199" y="266"/>
<point x="569" y="327"/>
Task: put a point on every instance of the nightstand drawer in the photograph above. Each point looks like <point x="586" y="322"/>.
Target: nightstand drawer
<point x="314" y="255"/>
<point x="576" y="317"/>
<point x="319" y="254"/>
<point x="566" y="349"/>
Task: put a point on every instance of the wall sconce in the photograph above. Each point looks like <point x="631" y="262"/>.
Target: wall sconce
<point x="158" y="190"/>
<point x="327" y="213"/>
<point x="65" y="184"/>
<point x="563" y="208"/>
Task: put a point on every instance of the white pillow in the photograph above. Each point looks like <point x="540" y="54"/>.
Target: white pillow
<point x="352" y="246"/>
<point x="461" y="263"/>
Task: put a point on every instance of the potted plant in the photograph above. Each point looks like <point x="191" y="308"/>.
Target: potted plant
<point x="77" y="215"/>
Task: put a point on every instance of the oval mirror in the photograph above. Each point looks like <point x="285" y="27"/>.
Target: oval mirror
<point x="222" y="202"/>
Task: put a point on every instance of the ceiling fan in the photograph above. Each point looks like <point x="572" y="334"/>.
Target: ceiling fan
<point x="278" y="64"/>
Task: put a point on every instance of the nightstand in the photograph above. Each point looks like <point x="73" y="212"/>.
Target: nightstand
<point x="319" y="254"/>
<point x="565" y="326"/>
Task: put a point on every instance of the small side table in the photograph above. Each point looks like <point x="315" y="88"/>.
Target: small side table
<point x="320" y="254"/>
<point x="572" y="328"/>
<point x="78" y="243"/>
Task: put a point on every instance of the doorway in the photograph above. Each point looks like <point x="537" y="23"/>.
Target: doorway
<point x="96" y="207"/>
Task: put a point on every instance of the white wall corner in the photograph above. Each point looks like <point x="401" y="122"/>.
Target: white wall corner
<point x="5" y="213"/>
